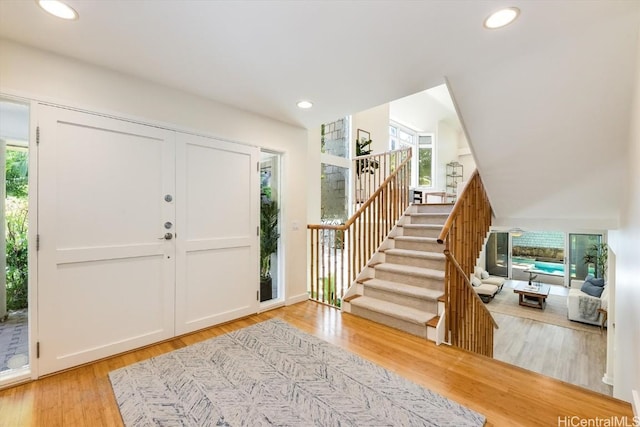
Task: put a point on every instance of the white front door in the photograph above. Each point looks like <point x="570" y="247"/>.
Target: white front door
<point x="217" y="244"/>
<point x="106" y="274"/>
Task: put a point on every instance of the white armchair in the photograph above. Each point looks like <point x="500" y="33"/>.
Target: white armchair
<point x="582" y="307"/>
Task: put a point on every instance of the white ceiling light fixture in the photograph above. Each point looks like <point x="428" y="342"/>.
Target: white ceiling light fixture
<point x="58" y="9"/>
<point x="305" y="105"/>
<point x="501" y="18"/>
<point x="517" y="232"/>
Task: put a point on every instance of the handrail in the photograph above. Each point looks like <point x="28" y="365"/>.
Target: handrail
<point x="339" y="252"/>
<point x="468" y="322"/>
<point x="370" y="170"/>
<point x="364" y="206"/>
<point x="466" y="280"/>
<point x="456" y="207"/>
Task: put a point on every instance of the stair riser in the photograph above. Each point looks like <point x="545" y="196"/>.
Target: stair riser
<point x="415" y="262"/>
<point x="428" y="219"/>
<point x="433" y="208"/>
<point x="421" y="232"/>
<point x="412" y="328"/>
<point x="419" y="246"/>
<point x="420" y="304"/>
<point x="423" y="282"/>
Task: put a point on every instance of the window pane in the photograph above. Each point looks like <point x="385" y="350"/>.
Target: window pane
<point x="333" y="193"/>
<point x="334" y="138"/>
<point x="424" y="166"/>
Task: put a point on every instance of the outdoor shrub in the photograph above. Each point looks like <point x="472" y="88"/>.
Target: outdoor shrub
<point x="17" y="259"/>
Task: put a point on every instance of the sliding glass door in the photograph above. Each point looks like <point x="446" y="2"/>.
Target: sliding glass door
<point x="581" y="248"/>
<point x="497" y="254"/>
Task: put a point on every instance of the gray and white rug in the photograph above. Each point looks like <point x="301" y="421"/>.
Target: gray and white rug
<point x="274" y="374"/>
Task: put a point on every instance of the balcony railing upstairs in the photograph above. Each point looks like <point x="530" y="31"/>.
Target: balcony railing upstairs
<point x="370" y="171"/>
<point x="469" y="324"/>
<point x="340" y="252"/>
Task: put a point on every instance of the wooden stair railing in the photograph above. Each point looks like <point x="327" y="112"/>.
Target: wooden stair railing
<point x="340" y="252"/>
<point x="371" y="170"/>
<point x="469" y="325"/>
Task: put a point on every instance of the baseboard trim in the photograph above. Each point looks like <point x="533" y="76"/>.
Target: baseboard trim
<point x="635" y="403"/>
<point x="607" y="379"/>
<point x="296" y="299"/>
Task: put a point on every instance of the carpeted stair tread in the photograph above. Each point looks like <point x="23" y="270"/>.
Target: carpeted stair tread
<point x="398" y="311"/>
<point x="415" y="254"/>
<point x="424" y="226"/>
<point x="418" y="239"/>
<point x="403" y="289"/>
<point x="429" y="214"/>
<point x="411" y="270"/>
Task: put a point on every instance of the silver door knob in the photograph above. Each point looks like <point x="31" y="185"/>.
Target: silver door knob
<point x="167" y="236"/>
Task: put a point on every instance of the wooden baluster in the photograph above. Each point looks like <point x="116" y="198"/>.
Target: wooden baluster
<point x="342" y="278"/>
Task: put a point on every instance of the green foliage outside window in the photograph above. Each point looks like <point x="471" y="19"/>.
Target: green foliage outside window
<point x="424" y="167"/>
<point x="16" y="217"/>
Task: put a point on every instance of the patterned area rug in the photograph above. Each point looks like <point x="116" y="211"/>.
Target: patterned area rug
<point x="274" y="374"/>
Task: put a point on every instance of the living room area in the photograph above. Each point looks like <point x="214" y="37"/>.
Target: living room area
<point x="547" y="292"/>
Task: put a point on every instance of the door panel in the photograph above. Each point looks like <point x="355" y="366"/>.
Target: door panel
<point x="106" y="279"/>
<point x="217" y="242"/>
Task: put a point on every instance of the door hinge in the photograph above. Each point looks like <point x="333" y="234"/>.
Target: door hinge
<point x="37" y="134"/>
<point x="258" y="231"/>
<point x="257" y="166"/>
<point x="257" y="295"/>
<point x="37" y="242"/>
<point x="38" y="350"/>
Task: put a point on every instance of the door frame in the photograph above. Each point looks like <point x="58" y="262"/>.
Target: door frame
<point x="32" y="101"/>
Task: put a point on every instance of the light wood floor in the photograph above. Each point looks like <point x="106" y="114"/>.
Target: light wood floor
<point x="505" y="394"/>
<point x="570" y="355"/>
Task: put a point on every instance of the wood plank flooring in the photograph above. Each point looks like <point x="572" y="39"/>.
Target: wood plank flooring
<point x="505" y="394"/>
<point x="570" y="355"/>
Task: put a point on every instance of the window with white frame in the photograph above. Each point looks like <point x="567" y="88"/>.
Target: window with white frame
<point x="422" y="146"/>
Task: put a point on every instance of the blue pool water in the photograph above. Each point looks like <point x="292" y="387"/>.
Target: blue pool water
<point x="555" y="268"/>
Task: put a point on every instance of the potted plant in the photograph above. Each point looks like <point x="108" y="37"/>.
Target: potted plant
<point x="268" y="244"/>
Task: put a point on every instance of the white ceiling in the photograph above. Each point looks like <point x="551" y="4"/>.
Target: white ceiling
<point x="558" y="79"/>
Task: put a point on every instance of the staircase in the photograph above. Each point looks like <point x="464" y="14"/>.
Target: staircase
<point x="403" y="284"/>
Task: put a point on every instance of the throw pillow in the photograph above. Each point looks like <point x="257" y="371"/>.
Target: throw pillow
<point x="591" y="289"/>
<point x="475" y="281"/>
<point x="477" y="271"/>
<point x="588" y="278"/>
<point x="597" y="282"/>
<point x="484" y="275"/>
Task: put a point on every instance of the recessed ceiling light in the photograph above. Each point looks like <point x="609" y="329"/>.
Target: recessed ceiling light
<point x="305" y="105"/>
<point x="58" y="8"/>
<point x="501" y="18"/>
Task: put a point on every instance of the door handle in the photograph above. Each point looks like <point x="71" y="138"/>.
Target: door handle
<point x="167" y="236"/>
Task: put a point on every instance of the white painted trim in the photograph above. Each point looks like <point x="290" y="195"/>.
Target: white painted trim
<point x="296" y="299"/>
<point x="271" y="305"/>
<point x="440" y="330"/>
<point x="635" y="402"/>
<point x="607" y="379"/>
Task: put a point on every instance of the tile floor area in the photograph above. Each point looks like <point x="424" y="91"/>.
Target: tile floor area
<point x="14" y="341"/>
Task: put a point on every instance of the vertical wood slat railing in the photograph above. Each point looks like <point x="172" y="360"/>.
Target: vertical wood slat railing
<point x="468" y="322"/>
<point x="340" y="252"/>
<point x="370" y="171"/>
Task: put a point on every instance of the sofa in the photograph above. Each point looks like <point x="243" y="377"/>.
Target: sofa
<point x="582" y="307"/>
<point x="485" y="285"/>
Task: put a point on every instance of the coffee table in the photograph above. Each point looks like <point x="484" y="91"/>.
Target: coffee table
<point x="529" y="293"/>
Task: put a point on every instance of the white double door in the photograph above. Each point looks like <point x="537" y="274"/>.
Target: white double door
<point x="145" y="234"/>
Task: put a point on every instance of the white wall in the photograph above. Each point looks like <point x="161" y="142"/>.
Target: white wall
<point x="446" y="151"/>
<point x="625" y="244"/>
<point x="376" y="122"/>
<point x="40" y="75"/>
